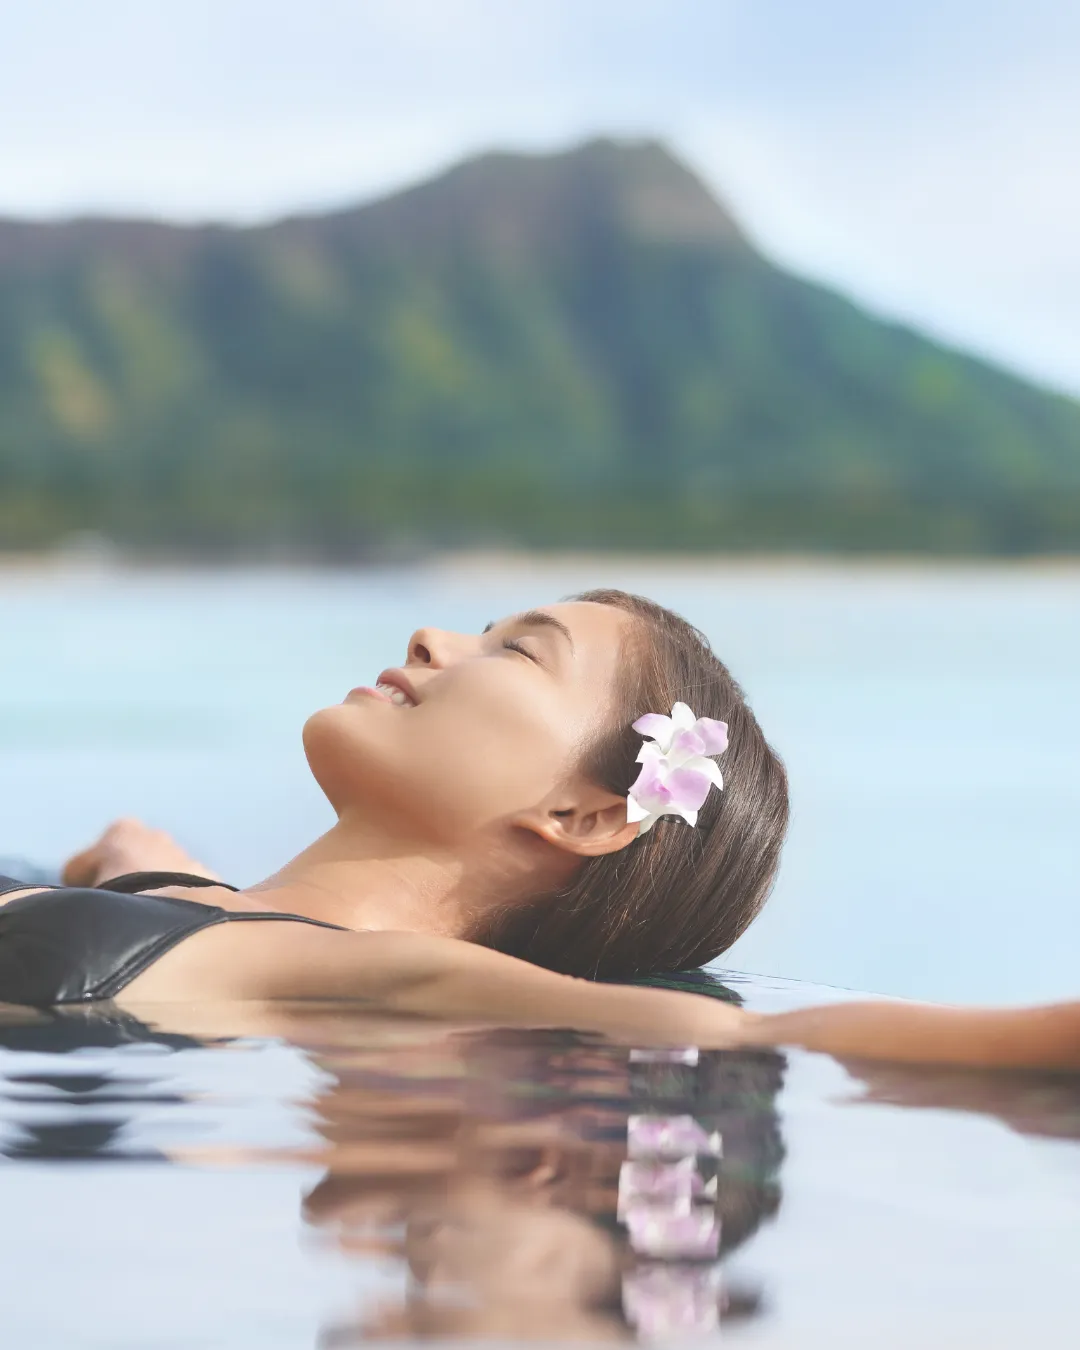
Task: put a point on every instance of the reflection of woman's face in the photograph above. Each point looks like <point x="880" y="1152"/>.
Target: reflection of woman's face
<point x="483" y="1240"/>
<point x="490" y="1245"/>
<point x="486" y="1264"/>
<point x="493" y="724"/>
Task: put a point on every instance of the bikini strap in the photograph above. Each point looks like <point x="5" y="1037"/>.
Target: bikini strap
<point x="14" y="884"/>
<point x="133" y="882"/>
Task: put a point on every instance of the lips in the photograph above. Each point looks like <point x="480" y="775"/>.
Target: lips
<point x="394" y="694"/>
<point x="393" y="685"/>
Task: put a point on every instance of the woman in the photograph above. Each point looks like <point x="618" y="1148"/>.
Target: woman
<point x="481" y="794"/>
<point x="485" y="800"/>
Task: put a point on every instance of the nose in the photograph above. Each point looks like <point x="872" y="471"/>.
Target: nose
<point x="436" y="647"/>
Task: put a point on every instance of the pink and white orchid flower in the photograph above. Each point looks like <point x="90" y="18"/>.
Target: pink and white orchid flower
<point x="676" y="771"/>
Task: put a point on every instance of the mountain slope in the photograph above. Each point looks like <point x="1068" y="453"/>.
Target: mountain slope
<point x="579" y="349"/>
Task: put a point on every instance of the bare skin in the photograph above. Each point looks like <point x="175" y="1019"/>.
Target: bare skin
<point x="438" y="822"/>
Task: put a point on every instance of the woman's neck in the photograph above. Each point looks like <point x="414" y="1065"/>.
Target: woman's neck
<point x="364" y="878"/>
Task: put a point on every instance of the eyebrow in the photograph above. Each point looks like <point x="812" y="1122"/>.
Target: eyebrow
<point x="537" y="618"/>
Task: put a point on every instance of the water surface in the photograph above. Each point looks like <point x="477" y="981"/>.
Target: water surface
<point x="319" y="1178"/>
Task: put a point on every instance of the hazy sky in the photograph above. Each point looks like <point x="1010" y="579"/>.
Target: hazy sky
<point x="923" y="157"/>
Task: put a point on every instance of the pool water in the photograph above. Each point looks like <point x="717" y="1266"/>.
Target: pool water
<point x="310" y="1176"/>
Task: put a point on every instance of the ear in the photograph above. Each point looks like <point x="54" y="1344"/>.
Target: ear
<point x="547" y="1171"/>
<point x="585" y="820"/>
<point x="542" y="1170"/>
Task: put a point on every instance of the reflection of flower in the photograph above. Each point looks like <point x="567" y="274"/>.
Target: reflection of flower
<point x="669" y="1211"/>
<point x="660" y="1231"/>
<point x="676" y="773"/>
<point x="649" y="1136"/>
<point x="651" y="1181"/>
<point x="664" y="1301"/>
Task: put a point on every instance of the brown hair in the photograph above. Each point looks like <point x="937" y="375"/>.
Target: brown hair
<point x="676" y="897"/>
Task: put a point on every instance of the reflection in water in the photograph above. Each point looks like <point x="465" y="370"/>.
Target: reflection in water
<point x="64" y="1115"/>
<point x="527" y="1184"/>
<point x="1039" y="1104"/>
<point x="548" y="1186"/>
<point x="504" y="1183"/>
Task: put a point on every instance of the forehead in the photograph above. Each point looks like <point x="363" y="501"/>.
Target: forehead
<point x="591" y="624"/>
<point x="599" y="633"/>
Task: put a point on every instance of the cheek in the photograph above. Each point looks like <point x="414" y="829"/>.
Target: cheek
<point x="490" y="742"/>
<point x="366" y="757"/>
<point x="495" y="749"/>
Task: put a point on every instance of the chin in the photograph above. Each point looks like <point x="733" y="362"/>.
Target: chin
<point x="317" y="727"/>
<point x="364" y="762"/>
<point x="331" y="746"/>
<point x="356" y="759"/>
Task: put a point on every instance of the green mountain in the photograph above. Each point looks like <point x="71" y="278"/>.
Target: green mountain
<point x="582" y="349"/>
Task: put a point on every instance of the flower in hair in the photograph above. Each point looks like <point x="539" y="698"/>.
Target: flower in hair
<point x="676" y="771"/>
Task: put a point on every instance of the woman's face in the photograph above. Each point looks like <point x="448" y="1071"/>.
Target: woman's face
<point x="474" y="730"/>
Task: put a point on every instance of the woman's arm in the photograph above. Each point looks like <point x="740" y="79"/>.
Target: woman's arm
<point x="429" y="976"/>
<point x="130" y="846"/>
<point x="1046" y="1037"/>
<point x="127" y="846"/>
<point x="919" y="1033"/>
<point x="422" y="975"/>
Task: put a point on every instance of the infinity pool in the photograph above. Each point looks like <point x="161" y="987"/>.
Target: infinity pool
<point x="239" y="1178"/>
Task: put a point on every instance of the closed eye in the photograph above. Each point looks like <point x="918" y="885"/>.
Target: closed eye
<point x="513" y="645"/>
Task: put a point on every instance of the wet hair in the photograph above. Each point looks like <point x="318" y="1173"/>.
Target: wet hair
<point x="677" y="896"/>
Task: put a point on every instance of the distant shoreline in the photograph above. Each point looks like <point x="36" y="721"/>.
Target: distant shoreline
<point x="512" y="560"/>
<point x="509" y="561"/>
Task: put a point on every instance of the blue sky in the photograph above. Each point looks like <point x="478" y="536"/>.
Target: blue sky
<point x="922" y="157"/>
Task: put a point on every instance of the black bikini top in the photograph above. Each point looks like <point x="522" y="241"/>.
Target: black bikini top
<point x="76" y="944"/>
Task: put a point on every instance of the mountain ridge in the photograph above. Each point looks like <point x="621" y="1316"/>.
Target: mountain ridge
<point x="565" y="349"/>
<point x="692" y="209"/>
